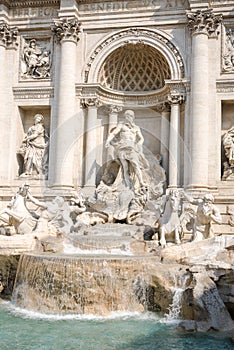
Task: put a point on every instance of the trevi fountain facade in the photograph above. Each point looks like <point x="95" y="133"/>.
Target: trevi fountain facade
<point x="117" y="158"/>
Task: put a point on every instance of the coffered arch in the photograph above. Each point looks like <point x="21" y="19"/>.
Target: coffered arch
<point x="154" y="43"/>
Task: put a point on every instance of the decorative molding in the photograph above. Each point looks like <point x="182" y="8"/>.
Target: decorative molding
<point x="28" y="3"/>
<point x="204" y="21"/>
<point x="67" y="29"/>
<point x="163" y="107"/>
<point x="113" y="109"/>
<point x="224" y="87"/>
<point x="8" y="35"/>
<point x="33" y="93"/>
<point x="137" y="32"/>
<point x="110" y="97"/>
<point x="90" y="102"/>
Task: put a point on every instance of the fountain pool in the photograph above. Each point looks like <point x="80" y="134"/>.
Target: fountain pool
<point x="24" y="330"/>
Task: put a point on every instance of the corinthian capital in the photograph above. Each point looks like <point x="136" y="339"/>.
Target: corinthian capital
<point x="114" y="109"/>
<point x="8" y="35"/>
<point x="90" y="102"/>
<point x="175" y="97"/>
<point x="67" y="29"/>
<point x="204" y="21"/>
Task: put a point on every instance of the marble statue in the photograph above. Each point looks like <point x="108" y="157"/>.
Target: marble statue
<point x="17" y="213"/>
<point x="36" y="60"/>
<point x="127" y="141"/>
<point x="53" y="216"/>
<point x="206" y="213"/>
<point x="34" y="149"/>
<point x="228" y="144"/>
<point x="169" y="222"/>
<point x="132" y="179"/>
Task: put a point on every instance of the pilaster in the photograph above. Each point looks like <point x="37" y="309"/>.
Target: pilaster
<point x="8" y="40"/>
<point x="203" y="24"/>
<point x="67" y="33"/>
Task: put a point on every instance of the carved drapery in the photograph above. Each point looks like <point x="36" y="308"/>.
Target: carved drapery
<point x="8" y="35"/>
<point x="204" y="21"/>
<point x="67" y="29"/>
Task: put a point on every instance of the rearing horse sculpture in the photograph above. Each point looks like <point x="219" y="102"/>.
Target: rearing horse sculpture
<point x="169" y="221"/>
<point x="17" y="214"/>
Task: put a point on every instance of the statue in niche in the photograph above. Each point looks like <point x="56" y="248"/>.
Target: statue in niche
<point x="36" y="60"/>
<point x="132" y="179"/>
<point x="205" y="215"/>
<point x="170" y="223"/>
<point x="17" y="214"/>
<point x="228" y="144"/>
<point x="34" y="149"/>
<point x="127" y="141"/>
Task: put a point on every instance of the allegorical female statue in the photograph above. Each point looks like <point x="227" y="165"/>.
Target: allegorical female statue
<point x="34" y="149"/>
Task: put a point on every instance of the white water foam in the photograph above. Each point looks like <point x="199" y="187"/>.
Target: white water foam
<point x="121" y="315"/>
<point x="69" y="249"/>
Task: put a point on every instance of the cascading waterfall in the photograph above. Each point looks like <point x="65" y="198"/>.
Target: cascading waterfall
<point x="178" y="290"/>
<point x="81" y="284"/>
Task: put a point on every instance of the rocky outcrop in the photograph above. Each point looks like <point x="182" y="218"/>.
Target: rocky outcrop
<point x="203" y="304"/>
<point x="208" y="301"/>
<point x="8" y="268"/>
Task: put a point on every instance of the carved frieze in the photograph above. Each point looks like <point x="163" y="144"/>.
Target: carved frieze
<point x="67" y="29"/>
<point x="33" y="93"/>
<point x="204" y="21"/>
<point x="36" y="59"/>
<point x="8" y="35"/>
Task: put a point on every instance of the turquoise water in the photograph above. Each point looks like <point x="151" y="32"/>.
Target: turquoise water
<point x="21" y="330"/>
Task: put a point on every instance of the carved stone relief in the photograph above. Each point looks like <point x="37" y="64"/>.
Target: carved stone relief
<point x="36" y="59"/>
<point x="228" y="51"/>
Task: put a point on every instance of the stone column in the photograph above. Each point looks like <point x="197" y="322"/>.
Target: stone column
<point x="8" y="39"/>
<point x="67" y="31"/>
<point x="175" y="99"/>
<point x="164" y="109"/>
<point x="202" y="24"/>
<point x="91" y="141"/>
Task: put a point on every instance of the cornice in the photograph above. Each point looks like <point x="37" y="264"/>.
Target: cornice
<point x="110" y="97"/>
<point x="224" y="86"/>
<point x="22" y="93"/>
<point x="29" y="3"/>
